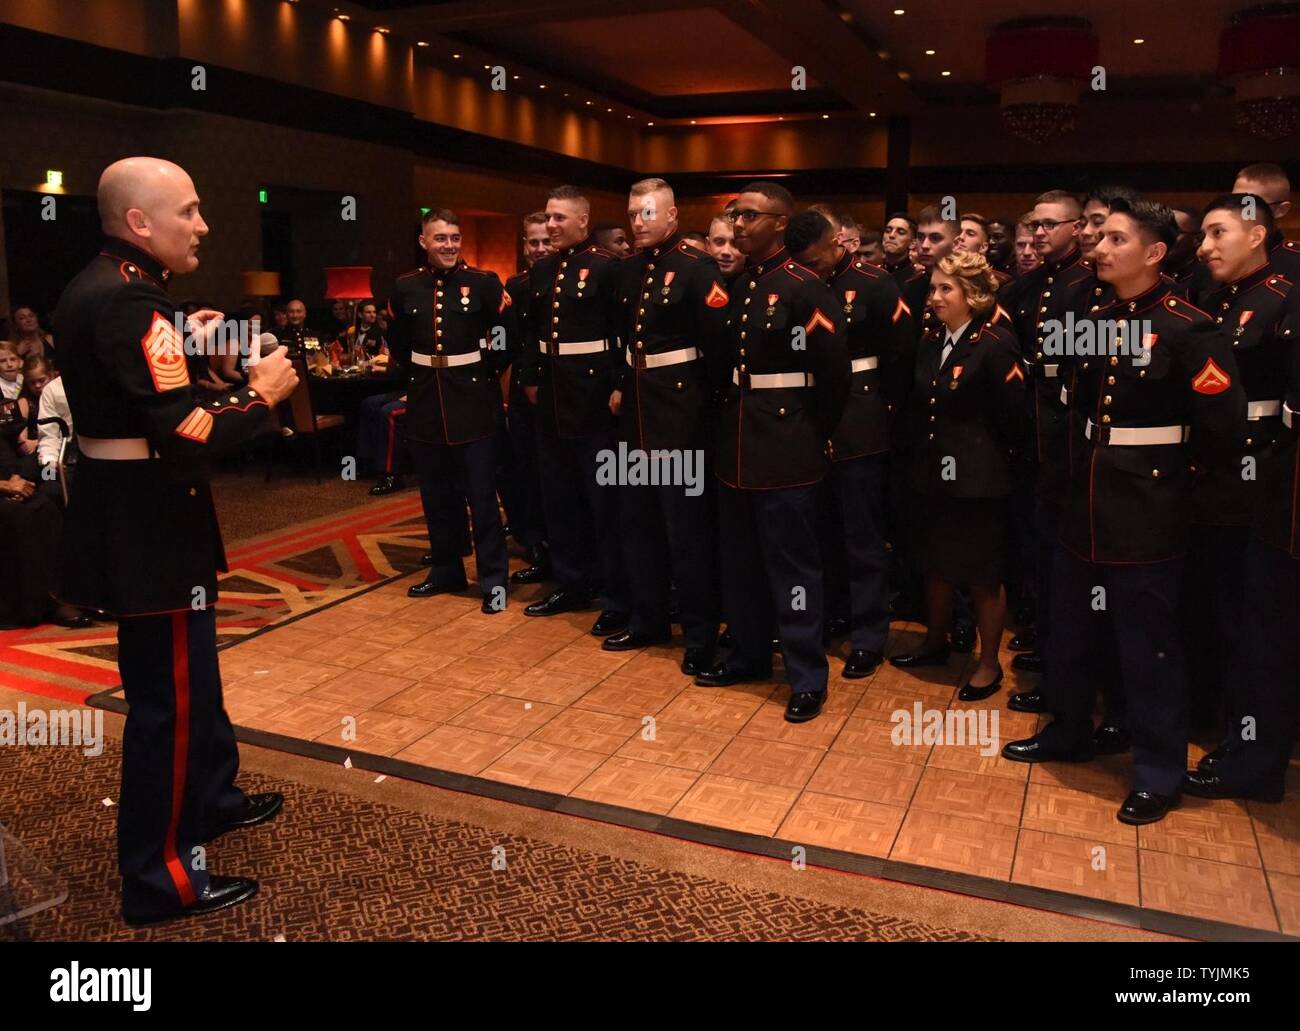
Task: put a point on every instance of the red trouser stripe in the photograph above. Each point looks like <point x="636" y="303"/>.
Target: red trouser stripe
<point x="180" y="752"/>
<point x="392" y="434"/>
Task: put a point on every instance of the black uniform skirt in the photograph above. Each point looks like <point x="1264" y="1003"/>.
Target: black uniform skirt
<point x="962" y="540"/>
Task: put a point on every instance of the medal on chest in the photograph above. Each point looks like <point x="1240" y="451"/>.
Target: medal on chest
<point x="1242" y="319"/>
<point x="848" y="301"/>
<point x="582" y="278"/>
<point x="464" y="296"/>
<point x="668" y="279"/>
<point x="771" y="304"/>
<point x="956" y="372"/>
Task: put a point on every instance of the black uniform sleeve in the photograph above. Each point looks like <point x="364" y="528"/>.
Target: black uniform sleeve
<point x="712" y="304"/>
<point x="497" y="331"/>
<point x="1218" y="412"/>
<point x="1011" y="417"/>
<point x="526" y="322"/>
<point x="137" y="342"/>
<point x="399" y="332"/>
<point x="828" y="353"/>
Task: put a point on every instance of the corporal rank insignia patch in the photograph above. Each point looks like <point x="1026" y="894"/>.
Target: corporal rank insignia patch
<point x="1211" y="379"/>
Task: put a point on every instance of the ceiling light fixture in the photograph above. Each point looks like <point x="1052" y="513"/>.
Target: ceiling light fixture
<point x="1139" y="42"/>
<point x="945" y="73"/>
<point x="899" y="10"/>
<point x="929" y="53"/>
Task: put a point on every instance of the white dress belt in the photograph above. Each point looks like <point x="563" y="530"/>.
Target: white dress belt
<point x="445" y="361"/>
<point x="656" y="361"/>
<point x="1263" y="409"/>
<point x="863" y="364"/>
<point x="1065" y="396"/>
<point x="1137" y="436"/>
<point x="115" y="449"/>
<point x="1288" y="416"/>
<point x="573" y="347"/>
<point x="1049" y="371"/>
<point x="774" y="380"/>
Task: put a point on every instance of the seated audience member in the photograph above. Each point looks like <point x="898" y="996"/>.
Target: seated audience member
<point x="11" y="371"/>
<point x="339" y="320"/>
<point x="295" y="331"/>
<point x="871" y="249"/>
<point x="30" y="524"/>
<point x="279" y="319"/>
<point x="613" y="238"/>
<point x="37" y="373"/>
<point x="365" y="338"/>
<point x="50" y="433"/>
<point x="29" y="335"/>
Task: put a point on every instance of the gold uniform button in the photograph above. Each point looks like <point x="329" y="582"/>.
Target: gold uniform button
<point x="555" y="336"/>
<point x="752" y="284"/>
<point x="1110" y="380"/>
<point x="1106" y="400"/>
<point x="438" y="307"/>
<point x="437" y="319"/>
<point x="235" y="401"/>
<point x="1155" y="473"/>
<point x="639" y="345"/>
<point x="252" y="393"/>
<point x="742" y="366"/>
<point x="650" y="267"/>
<point x="437" y="347"/>
<point x="1114" y="359"/>
<point x="640" y="311"/>
<point x="645" y="297"/>
<point x="194" y="492"/>
<point x="742" y="334"/>
<point x="1105" y="418"/>
<point x="742" y="352"/>
<point x="780" y="411"/>
<point x="932" y="436"/>
<point x="564" y="264"/>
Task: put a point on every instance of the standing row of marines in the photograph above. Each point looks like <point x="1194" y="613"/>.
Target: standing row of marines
<point x="808" y="378"/>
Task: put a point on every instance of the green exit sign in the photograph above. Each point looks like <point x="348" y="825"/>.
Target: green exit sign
<point x="425" y="211"/>
<point x="261" y="196"/>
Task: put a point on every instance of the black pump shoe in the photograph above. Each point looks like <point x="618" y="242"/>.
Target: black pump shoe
<point x="969" y="693"/>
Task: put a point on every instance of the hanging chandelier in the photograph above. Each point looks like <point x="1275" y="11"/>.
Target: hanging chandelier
<point x="1039" y="67"/>
<point x="1259" y="57"/>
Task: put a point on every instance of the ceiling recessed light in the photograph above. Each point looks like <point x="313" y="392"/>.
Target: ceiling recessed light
<point x="649" y="123"/>
<point x="899" y="10"/>
<point x="945" y="73"/>
<point x="514" y="77"/>
<point x="871" y="114"/>
<point x="542" y="86"/>
<point x="588" y="102"/>
<point x="343" y="17"/>
<point x="825" y="116"/>
<point x="929" y="53"/>
<point x="609" y="110"/>
<point x="1139" y="41"/>
<point x="383" y="30"/>
<point x="566" y="94"/>
<point x="692" y="121"/>
<point x="487" y="67"/>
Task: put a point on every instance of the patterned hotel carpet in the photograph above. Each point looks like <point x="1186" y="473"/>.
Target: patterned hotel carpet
<point x="339" y="867"/>
<point x="282" y="573"/>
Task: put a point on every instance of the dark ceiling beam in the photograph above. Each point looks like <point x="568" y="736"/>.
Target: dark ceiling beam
<point x="809" y="33"/>
<point x="476" y="16"/>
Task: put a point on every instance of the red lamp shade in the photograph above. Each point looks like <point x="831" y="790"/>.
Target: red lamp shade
<point x="348" y="283"/>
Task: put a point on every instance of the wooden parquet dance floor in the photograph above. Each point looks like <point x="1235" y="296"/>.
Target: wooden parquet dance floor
<point x="533" y="710"/>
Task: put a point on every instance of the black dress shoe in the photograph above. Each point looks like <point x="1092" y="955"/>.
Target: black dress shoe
<point x="1109" y="739"/>
<point x="533" y="574"/>
<point x="491" y="607"/>
<point x="256" y="809"/>
<point x="1027" y="701"/>
<point x="914" y="660"/>
<point x="386" y="485"/>
<point x="1209" y="762"/>
<point x="1024" y="641"/>
<point x="426" y="559"/>
<point x="67" y="616"/>
<point x="220" y="893"/>
<point x="608" y="623"/>
<point x="626" y="640"/>
<point x="431" y="587"/>
<point x="861" y="663"/>
<point x="969" y="693"/>
<point x="1211" y="785"/>
<point x="963" y="638"/>
<point x="1035" y="750"/>
<point x="804" y="706"/>
<point x="696" y="661"/>
<point x="559" y="601"/>
<point x="726" y="639"/>
<point x="1146" y="807"/>
<point x="1028" y="662"/>
<point x="835" y="627"/>
<point x="723" y="675"/>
